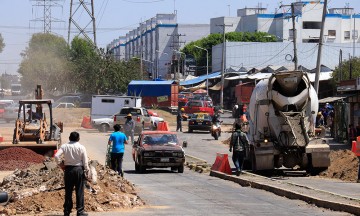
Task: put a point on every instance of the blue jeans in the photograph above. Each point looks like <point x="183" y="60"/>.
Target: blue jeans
<point x="116" y="162"/>
<point x="238" y="159"/>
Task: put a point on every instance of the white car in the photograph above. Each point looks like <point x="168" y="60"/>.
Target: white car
<point x="103" y="124"/>
<point x="155" y="119"/>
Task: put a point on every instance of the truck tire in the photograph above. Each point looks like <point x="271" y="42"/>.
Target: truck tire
<point x="137" y="167"/>
<point x="181" y="169"/>
<point x="142" y="169"/>
<point x="104" y="128"/>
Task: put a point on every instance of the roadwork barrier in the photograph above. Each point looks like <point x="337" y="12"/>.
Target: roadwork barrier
<point x="86" y="122"/>
<point x="163" y="126"/>
<point x="221" y="164"/>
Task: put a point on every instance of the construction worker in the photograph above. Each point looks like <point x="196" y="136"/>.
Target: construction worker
<point x="76" y="169"/>
<point x="238" y="143"/>
<point x="118" y="139"/>
<point x="129" y="128"/>
<point x="179" y="119"/>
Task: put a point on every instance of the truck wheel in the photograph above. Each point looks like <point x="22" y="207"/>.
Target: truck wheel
<point x="190" y="130"/>
<point x="142" y="169"/>
<point x="181" y="169"/>
<point x="104" y="128"/>
<point x="137" y="168"/>
<point x="174" y="169"/>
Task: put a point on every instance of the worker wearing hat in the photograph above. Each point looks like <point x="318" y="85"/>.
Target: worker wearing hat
<point x="129" y="127"/>
<point x="179" y="119"/>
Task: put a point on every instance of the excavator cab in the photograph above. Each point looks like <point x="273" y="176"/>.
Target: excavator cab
<point x="34" y="126"/>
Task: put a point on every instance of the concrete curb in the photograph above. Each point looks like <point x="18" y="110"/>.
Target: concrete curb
<point x="335" y="206"/>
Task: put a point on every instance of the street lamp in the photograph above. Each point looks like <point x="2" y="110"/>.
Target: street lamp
<point x="207" y="68"/>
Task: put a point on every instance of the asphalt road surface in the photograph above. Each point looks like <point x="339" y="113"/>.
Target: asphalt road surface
<point x="191" y="193"/>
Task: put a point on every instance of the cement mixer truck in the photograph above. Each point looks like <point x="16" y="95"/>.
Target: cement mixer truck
<point x="282" y="112"/>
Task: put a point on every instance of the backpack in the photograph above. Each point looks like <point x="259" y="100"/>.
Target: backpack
<point x="239" y="145"/>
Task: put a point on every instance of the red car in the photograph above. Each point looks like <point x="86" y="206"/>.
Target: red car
<point x="158" y="149"/>
<point x="196" y="106"/>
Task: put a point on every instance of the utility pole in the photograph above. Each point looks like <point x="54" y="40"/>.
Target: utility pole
<point x="91" y="15"/>
<point x="340" y="64"/>
<point x="295" y="59"/>
<point x="223" y="66"/>
<point x="47" y="18"/>
<point x="318" y="61"/>
<point x="176" y="48"/>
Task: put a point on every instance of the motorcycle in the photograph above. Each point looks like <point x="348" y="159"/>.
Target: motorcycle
<point x="216" y="130"/>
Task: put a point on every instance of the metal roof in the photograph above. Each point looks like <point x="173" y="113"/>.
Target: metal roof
<point x="150" y="82"/>
<point x="200" y="79"/>
<point x="332" y="99"/>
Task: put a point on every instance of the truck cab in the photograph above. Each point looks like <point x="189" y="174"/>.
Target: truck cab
<point x="139" y="115"/>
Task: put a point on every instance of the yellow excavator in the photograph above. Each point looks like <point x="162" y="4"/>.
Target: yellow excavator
<point x="34" y="127"/>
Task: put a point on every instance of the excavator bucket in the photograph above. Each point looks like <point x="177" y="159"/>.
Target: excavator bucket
<point x="46" y="149"/>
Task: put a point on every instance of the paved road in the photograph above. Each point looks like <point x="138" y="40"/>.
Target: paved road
<point x="191" y="193"/>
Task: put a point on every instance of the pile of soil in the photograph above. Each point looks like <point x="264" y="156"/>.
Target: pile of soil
<point x="18" y="158"/>
<point x="71" y="117"/>
<point x="40" y="190"/>
<point x="343" y="165"/>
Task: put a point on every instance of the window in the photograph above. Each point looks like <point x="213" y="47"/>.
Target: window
<point x="332" y="33"/>
<point x="311" y="25"/>
<point x="107" y="100"/>
<point x="347" y="35"/>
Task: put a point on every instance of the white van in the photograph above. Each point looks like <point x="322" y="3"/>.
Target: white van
<point x="104" y="106"/>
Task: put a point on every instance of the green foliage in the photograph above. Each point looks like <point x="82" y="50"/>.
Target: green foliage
<point x="343" y="72"/>
<point x="96" y="72"/>
<point x="2" y="44"/>
<point x="45" y="62"/>
<point x="215" y="39"/>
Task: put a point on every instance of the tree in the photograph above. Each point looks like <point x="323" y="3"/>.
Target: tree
<point x="95" y="72"/>
<point x="342" y="72"/>
<point x="2" y="44"/>
<point x="45" y="62"/>
<point x="215" y="39"/>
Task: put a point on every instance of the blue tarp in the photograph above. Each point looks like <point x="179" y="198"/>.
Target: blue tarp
<point x="150" y="88"/>
<point x="199" y="79"/>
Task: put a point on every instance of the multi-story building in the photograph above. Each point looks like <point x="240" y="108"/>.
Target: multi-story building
<point x="157" y="41"/>
<point x="340" y="23"/>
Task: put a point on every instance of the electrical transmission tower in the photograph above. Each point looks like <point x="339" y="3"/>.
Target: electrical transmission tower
<point x="77" y="4"/>
<point x="47" y="18"/>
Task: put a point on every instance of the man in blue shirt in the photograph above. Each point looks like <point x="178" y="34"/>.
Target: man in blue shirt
<point x="118" y="139"/>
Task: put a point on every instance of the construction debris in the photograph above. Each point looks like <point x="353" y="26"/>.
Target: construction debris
<point x="39" y="189"/>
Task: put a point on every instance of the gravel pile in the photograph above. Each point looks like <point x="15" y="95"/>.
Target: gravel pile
<point x="18" y="158"/>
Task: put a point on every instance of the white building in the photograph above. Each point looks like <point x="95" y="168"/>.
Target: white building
<point x="339" y="24"/>
<point x="159" y="39"/>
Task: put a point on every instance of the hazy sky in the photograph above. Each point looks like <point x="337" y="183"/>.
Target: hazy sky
<point x="114" y="18"/>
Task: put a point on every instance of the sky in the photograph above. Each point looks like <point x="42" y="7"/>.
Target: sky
<point x="114" y="18"/>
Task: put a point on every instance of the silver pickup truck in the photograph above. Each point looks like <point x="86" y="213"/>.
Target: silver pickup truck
<point x="140" y="116"/>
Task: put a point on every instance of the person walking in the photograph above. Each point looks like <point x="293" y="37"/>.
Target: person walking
<point x="238" y="143"/>
<point x="118" y="139"/>
<point x="76" y="169"/>
<point x="179" y="119"/>
<point x="129" y="127"/>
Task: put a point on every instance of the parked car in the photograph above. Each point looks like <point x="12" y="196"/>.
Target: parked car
<point x="103" y="124"/>
<point x="3" y="105"/>
<point x="10" y="113"/>
<point x="158" y="149"/>
<point x="155" y="119"/>
<point x="199" y="121"/>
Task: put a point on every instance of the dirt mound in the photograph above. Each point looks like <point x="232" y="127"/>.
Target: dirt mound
<point x="18" y="158"/>
<point x="40" y="190"/>
<point x="343" y="165"/>
<point x="71" y="117"/>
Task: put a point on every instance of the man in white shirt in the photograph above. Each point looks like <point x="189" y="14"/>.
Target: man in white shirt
<point x="75" y="165"/>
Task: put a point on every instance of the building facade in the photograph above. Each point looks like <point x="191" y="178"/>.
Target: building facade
<point x="341" y="24"/>
<point x="157" y="42"/>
